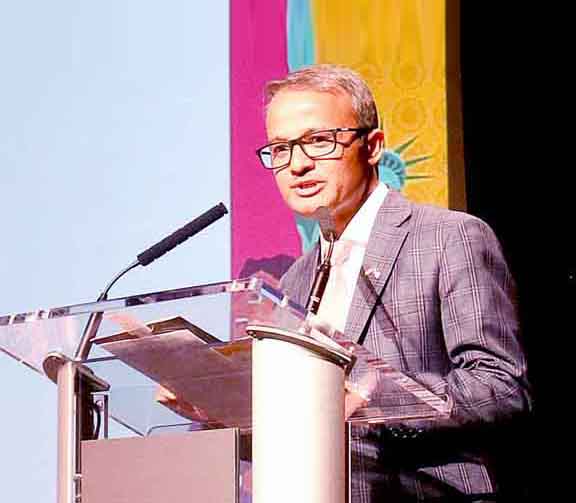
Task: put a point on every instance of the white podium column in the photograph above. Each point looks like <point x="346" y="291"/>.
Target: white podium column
<point x="298" y="435"/>
<point x="67" y="488"/>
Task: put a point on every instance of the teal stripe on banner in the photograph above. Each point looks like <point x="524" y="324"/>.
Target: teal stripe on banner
<point x="300" y="34"/>
<point x="301" y="52"/>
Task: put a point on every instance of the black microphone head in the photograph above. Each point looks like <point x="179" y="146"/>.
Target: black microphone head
<point x="326" y="221"/>
<point x="182" y="234"/>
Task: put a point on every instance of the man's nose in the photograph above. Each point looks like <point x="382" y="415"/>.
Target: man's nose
<point x="300" y="162"/>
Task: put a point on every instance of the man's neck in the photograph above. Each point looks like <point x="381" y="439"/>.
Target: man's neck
<point x="341" y="223"/>
<point x="358" y="229"/>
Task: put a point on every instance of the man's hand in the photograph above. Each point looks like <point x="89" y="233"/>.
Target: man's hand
<point x="352" y="402"/>
<point x="358" y="393"/>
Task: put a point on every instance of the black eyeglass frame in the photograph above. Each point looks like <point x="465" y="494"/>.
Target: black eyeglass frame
<point x="298" y="141"/>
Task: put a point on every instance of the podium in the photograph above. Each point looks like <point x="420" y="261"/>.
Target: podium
<point x="226" y="392"/>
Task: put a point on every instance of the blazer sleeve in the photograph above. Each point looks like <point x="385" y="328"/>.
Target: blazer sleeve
<point x="487" y="380"/>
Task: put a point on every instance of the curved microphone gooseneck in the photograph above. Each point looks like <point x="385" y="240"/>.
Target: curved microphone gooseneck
<point x="143" y="259"/>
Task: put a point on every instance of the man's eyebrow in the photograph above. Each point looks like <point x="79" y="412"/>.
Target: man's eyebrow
<point x="277" y="139"/>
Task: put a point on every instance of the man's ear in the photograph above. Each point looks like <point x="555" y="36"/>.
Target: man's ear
<point x="374" y="145"/>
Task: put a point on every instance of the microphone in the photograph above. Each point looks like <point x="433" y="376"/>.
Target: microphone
<point x="328" y="230"/>
<point x="143" y="259"/>
<point x="182" y="234"/>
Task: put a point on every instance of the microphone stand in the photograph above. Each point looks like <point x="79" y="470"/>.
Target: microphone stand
<point x="95" y="318"/>
<point x="143" y="259"/>
<point x="77" y="383"/>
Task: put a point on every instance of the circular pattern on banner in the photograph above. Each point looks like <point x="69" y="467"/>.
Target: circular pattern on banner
<point x="409" y="114"/>
<point x="408" y="75"/>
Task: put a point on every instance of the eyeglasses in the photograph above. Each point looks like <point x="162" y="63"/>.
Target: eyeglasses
<point x="315" y="144"/>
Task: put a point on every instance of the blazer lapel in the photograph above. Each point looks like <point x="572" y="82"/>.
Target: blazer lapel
<point x="386" y="241"/>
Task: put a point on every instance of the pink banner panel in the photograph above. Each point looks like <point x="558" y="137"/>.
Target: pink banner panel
<point x="264" y="235"/>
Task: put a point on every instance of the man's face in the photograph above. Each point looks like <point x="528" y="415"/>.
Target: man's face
<point x="341" y="182"/>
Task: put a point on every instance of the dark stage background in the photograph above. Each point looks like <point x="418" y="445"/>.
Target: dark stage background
<point x="515" y="184"/>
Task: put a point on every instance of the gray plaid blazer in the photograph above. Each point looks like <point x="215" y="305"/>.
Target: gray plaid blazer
<point x="434" y="299"/>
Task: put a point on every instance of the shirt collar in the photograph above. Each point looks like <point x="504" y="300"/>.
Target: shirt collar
<point x="359" y="228"/>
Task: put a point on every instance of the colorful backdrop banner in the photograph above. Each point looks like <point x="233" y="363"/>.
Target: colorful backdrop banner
<point x="400" y="48"/>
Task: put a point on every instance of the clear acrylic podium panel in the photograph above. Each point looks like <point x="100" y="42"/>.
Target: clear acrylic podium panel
<point x="181" y="359"/>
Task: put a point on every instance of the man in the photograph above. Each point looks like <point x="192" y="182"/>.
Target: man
<point x="425" y="288"/>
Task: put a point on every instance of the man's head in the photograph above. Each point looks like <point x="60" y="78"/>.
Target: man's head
<point x="331" y="113"/>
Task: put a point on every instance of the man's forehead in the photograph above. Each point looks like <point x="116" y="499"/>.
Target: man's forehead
<point x="292" y="112"/>
<point x="300" y="95"/>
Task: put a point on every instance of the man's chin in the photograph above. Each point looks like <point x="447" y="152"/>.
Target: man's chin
<point x="308" y="211"/>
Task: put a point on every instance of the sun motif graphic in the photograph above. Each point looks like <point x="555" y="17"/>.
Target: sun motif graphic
<point x="392" y="170"/>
